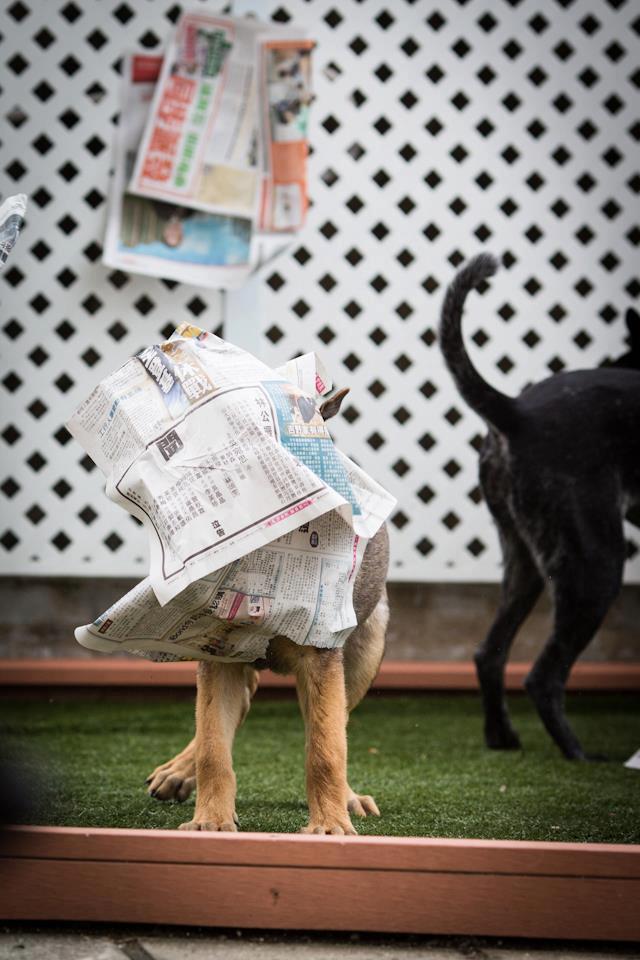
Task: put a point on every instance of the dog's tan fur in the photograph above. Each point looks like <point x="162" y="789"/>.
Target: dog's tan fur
<point x="330" y="683"/>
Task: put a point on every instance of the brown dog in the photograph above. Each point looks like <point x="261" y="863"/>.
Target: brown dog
<point x="330" y="684"/>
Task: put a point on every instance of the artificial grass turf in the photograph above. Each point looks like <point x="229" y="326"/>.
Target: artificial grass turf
<point x="421" y="757"/>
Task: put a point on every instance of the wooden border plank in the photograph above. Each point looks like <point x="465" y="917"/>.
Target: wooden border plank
<point x="393" y="675"/>
<point x="399" y="885"/>
<point x="535" y="857"/>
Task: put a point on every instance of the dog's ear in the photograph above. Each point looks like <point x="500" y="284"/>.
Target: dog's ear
<point x="332" y="406"/>
<point x="632" y="320"/>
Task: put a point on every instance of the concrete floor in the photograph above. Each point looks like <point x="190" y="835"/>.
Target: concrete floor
<point x="76" y="942"/>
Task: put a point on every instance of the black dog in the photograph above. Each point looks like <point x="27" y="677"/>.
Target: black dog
<point x="631" y="359"/>
<point x="559" y="468"/>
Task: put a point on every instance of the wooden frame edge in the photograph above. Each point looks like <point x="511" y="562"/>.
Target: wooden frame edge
<point x="394" y="675"/>
<point x="377" y="884"/>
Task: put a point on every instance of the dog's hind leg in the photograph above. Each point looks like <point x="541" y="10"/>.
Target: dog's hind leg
<point x="363" y="654"/>
<point x="321" y="691"/>
<point x="222" y="702"/>
<point x="521" y="587"/>
<point x="584" y="587"/>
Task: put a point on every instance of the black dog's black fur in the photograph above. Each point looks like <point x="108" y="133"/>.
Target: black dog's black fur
<point x="631" y="359"/>
<point x="558" y="469"/>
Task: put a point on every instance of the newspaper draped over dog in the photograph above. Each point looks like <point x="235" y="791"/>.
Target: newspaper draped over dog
<point x="257" y="522"/>
<point x="211" y="150"/>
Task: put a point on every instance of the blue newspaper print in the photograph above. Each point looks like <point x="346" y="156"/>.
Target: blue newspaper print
<point x="303" y="433"/>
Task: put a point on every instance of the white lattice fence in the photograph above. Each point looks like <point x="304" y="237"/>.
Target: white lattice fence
<point x="438" y="130"/>
<point x="67" y="320"/>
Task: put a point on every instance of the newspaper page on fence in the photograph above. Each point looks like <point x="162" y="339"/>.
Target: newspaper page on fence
<point x="217" y="455"/>
<point x="285" y="98"/>
<point x="165" y="239"/>
<point x="200" y="145"/>
<point x="299" y="582"/>
<point x="12" y="213"/>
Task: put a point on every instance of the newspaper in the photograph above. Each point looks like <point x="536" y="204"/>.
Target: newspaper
<point x="200" y="146"/>
<point x="210" y="172"/>
<point x="299" y="586"/>
<point x="206" y="444"/>
<point x="285" y="88"/>
<point x="12" y="214"/>
<point x="166" y="239"/>
<point x="227" y="131"/>
<point x="633" y="763"/>
<point x="219" y="455"/>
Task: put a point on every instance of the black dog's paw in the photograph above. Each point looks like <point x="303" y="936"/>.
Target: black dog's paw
<point x="573" y="751"/>
<point x="502" y="738"/>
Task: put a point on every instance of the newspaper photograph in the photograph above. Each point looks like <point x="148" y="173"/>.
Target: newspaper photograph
<point x="162" y="239"/>
<point x="200" y="144"/>
<point x="218" y="455"/>
<point x="285" y="93"/>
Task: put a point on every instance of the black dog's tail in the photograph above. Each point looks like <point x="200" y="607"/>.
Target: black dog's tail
<point x="494" y="407"/>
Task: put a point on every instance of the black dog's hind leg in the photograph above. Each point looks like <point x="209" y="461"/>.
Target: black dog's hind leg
<point x="584" y="588"/>
<point x="521" y="587"/>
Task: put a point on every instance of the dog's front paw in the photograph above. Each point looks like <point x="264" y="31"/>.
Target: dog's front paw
<point x="338" y="825"/>
<point x="216" y="824"/>
<point x="362" y="805"/>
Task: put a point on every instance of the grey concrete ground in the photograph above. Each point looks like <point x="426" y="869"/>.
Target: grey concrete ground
<point x="73" y="942"/>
